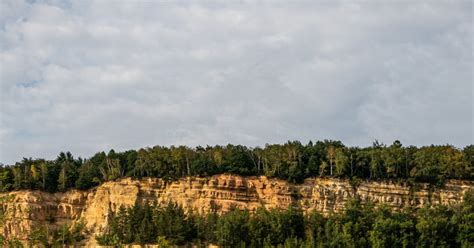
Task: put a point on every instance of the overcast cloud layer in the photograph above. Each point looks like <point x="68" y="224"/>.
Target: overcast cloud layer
<point x="86" y="76"/>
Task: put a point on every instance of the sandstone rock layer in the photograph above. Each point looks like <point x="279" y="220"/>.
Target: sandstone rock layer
<point x="27" y="210"/>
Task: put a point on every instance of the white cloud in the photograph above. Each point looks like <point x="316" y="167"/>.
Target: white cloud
<point x="86" y="76"/>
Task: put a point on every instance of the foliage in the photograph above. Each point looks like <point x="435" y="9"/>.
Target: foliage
<point x="232" y="228"/>
<point x="464" y="220"/>
<point x="435" y="227"/>
<point x="291" y="161"/>
<point x="360" y="225"/>
<point x="393" y="229"/>
<point x="146" y="224"/>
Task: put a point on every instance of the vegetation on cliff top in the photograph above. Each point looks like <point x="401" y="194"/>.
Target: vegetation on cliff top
<point x="291" y="161"/>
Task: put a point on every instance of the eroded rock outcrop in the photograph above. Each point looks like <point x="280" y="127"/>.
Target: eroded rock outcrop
<point x="27" y="210"/>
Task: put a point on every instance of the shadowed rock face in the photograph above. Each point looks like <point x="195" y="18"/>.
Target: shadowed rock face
<point x="27" y="210"/>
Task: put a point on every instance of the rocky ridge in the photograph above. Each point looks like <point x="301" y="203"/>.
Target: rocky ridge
<point x="27" y="210"/>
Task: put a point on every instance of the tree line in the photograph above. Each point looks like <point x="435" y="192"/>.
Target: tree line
<point x="291" y="161"/>
<point x="360" y="225"/>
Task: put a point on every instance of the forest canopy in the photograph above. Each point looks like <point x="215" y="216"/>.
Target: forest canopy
<point x="292" y="161"/>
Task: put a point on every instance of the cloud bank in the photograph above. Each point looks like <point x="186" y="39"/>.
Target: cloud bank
<point x="85" y="76"/>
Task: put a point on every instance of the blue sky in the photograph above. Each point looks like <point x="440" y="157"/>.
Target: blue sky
<point x="86" y="76"/>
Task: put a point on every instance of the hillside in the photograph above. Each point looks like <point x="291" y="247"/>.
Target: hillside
<point x="26" y="210"/>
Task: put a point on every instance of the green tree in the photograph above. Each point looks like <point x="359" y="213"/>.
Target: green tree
<point x="232" y="228"/>
<point x="393" y="157"/>
<point x="435" y="227"/>
<point x="427" y="164"/>
<point x="453" y="164"/>
<point x="315" y="223"/>
<point x="68" y="173"/>
<point x="393" y="229"/>
<point x="6" y="180"/>
<point x="464" y="220"/>
<point x="331" y="157"/>
<point x="341" y="162"/>
<point x="259" y="227"/>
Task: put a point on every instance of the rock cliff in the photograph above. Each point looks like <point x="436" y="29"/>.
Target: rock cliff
<point x="27" y="210"/>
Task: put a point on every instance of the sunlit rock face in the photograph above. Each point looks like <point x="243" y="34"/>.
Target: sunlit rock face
<point x="27" y="210"/>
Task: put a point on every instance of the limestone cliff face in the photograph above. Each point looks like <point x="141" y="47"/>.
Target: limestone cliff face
<point x="27" y="210"/>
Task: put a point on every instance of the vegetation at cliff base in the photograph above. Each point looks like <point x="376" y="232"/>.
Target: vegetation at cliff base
<point x="291" y="161"/>
<point x="358" y="226"/>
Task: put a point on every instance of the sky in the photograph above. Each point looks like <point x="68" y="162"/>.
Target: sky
<point x="89" y="76"/>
